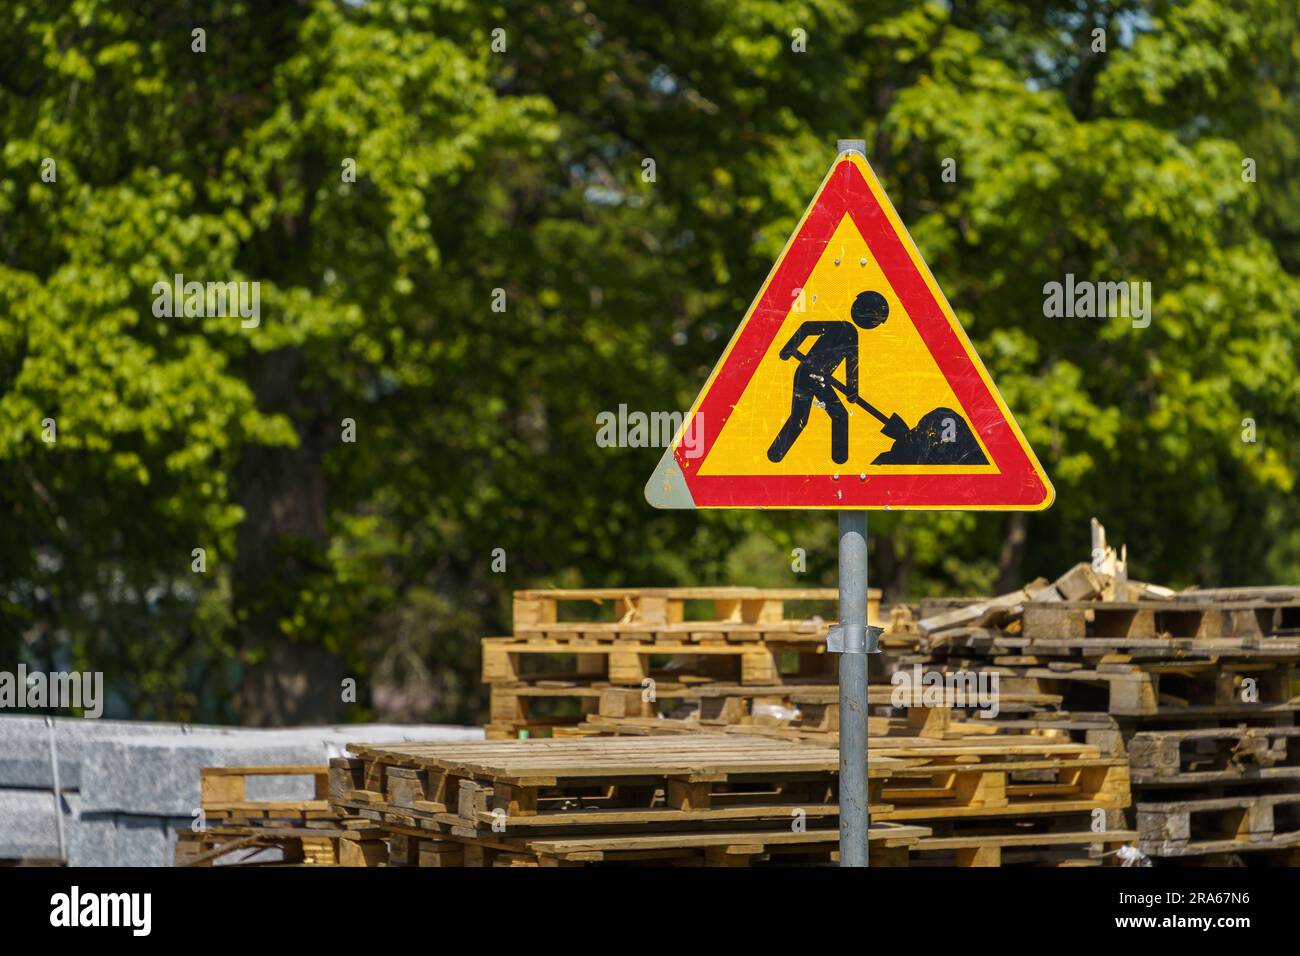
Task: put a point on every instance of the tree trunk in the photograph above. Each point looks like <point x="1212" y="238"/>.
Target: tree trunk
<point x="282" y="491"/>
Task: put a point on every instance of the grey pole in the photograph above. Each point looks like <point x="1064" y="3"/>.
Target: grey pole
<point x="853" y="645"/>
<point x="853" y="688"/>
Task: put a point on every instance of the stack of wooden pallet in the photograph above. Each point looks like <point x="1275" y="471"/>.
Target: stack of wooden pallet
<point x="642" y="652"/>
<point x="995" y="799"/>
<point x="987" y="795"/>
<point x="693" y="800"/>
<point x="237" y="830"/>
<point x="798" y="712"/>
<point x="746" y="667"/>
<point x="1198" y="690"/>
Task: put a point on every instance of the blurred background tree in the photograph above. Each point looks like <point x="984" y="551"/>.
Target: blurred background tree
<point x="515" y="178"/>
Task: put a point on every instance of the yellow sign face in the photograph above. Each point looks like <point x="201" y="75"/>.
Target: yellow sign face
<point x="850" y="383"/>
<point x="892" y="358"/>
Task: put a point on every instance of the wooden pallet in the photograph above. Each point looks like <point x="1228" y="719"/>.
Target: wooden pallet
<point x="706" y="780"/>
<point x="632" y="660"/>
<point x="992" y="642"/>
<point x="1245" y="623"/>
<point x="1220" y="825"/>
<point x="1102" y="731"/>
<point x="1224" y="755"/>
<point x="1231" y="620"/>
<point x="224" y="795"/>
<point x="799" y="712"/>
<point x="1188" y="689"/>
<point x="392" y="816"/>
<point x="306" y="832"/>
<point x="517" y="710"/>
<point x="599" y="726"/>
<point x="531" y="709"/>
<point x="804" y="631"/>
<point x="1051" y="611"/>
<point x="671" y="610"/>
<point x="817" y="708"/>
<point x="936" y="723"/>
<point x="888" y="845"/>
<point x="232" y="845"/>
<point x="980" y="775"/>
<point x="792" y="711"/>
<point x="1057" y="847"/>
<point x="991" y="778"/>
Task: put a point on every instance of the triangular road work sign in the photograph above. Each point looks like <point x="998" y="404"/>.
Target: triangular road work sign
<point x="850" y="383"/>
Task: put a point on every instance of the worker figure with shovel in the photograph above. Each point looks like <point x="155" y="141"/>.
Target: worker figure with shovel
<point x="941" y="437"/>
<point x="837" y="343"/>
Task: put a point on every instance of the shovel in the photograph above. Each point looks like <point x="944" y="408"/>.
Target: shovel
<point x="894" y="426"/>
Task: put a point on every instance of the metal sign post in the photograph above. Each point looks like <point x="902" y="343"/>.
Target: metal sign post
<point x="853" y="688"/>
<point x="854" y="815"/>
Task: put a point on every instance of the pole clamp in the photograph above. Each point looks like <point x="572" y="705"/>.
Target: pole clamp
<point x="854" y="639"/>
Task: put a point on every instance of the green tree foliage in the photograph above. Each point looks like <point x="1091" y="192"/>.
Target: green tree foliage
<point x="503" y="267"/>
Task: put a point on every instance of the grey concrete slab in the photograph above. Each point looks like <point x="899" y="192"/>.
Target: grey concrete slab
<point x="27" y="825"/>
<point x="127" y="785"/>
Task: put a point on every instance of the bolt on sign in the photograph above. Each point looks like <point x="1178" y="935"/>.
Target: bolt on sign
<point x="850" y="383"/>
